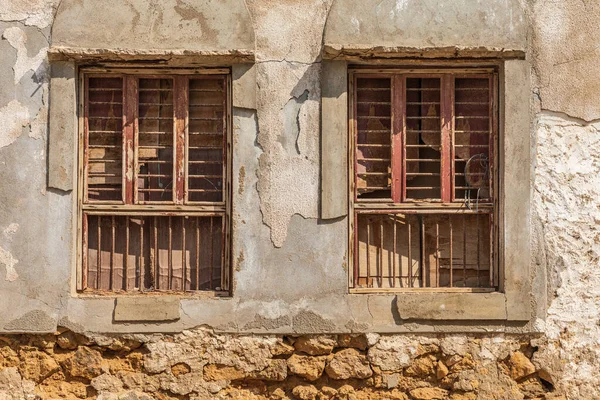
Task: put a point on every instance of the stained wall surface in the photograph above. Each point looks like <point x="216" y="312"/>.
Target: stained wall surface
<point x="289" y="266"/>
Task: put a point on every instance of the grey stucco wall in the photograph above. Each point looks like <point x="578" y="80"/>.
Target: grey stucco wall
<point x="290" y="267"/>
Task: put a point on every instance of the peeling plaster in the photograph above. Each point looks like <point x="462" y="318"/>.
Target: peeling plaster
<point x="291" y="132"/>
<point x="288" y="155"/>
<point x="9" y="262"/>
<point x="39" y="125"/>
<point x="38" y="13"/>
<point x="13" y="118"/>
<point x="18" y="39"/>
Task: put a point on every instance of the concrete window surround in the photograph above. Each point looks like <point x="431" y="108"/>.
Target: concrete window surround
<point x="512" y="302"/>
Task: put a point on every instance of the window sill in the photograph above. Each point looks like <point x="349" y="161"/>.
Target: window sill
<point x="452" y="306"/>
<point x="421" y="290"/>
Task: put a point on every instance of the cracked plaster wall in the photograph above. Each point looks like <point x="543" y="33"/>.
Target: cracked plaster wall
<point x="289" y="267"/>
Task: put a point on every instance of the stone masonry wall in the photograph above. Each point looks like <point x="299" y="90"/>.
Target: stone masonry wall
<point x="276" y="219"/>
<point x="199" y="364"/>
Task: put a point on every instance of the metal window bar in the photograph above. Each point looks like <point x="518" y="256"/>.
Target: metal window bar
<point x="122" y="250"/>
<point x="452" y="251"/>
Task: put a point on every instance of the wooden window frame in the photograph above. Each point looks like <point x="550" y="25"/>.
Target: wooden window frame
<point x="129" y="206"/>
<point x="399" y="202"/>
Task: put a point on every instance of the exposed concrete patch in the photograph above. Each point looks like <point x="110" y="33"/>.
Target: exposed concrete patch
<point x="18" y="39"/>
<point x="33" y="321"/>
<point x="309" y="322"/>
<point x="13" y="118"/>
<point x="9" y="262"/>
<point x="260" y="322"/>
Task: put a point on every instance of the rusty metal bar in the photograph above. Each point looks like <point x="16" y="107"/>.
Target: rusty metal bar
<point x="394" y="257"/>
<point x="368" y="252"/>
<point x="423" y="280"/>
<point x="183" y="258"/>
<point x="356" y="276"/>
<point x="156" y="268"/>
<point x="84" y="256"/>
<point x="197" y="253"/>
<point x="478" y="250"/>
<point x="99" y="255"/>
<point x="451" y="246"/>
<point x="126" y="256"/>
<point x="210" y="271"/>
<point x="170" y="257"/>
<point x="465" y="250"/>
<point x="491" y="255"/>
<point x="381" y="245"/>
<point x="141" y="265"/>
<point x="437" y="254"/>
<point x="410" y="262"/>
<point x="112" y="253"/>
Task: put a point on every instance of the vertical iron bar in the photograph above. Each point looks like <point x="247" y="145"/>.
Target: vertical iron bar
<point x="382" y="245"/>
<point x="451" y="245"/>
<point x="156" y="270"/>
<point x="464" y="250"/>
<point x="437" y="254"/>
<point x="394" y="257"/>
<point x="141" y="265"/>
<point x="410" y="263"/>
<point x="368" y="252"/>
<point x="478" y="258"/>
<point x="423" y="280"/>
<point x="170" y="256"/>
<point x="197" y="253"/>
<point x="491" y="254"/>
<point x="183" y="258"/>
<point x="355" y="278"/>
<point x="99" y="255"/>
<point x="112" y="254"/>
<point x="212" y="238"/>
<point x="85" y="250"/>
<point x="126" y="255"/>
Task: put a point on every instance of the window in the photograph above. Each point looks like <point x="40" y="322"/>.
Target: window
<point x="154" y="181"/>
<point x="424" y="181"/>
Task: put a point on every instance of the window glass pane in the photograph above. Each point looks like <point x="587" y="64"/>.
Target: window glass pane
<point x="423" y="139"/>
<point x="104" y="139"/>
<point x="127" y="253"/>
<point x="373" y="138"/>
<point x="155" y="141"/>
<point x="473" y="129"/>
<point x="207" y="140"/>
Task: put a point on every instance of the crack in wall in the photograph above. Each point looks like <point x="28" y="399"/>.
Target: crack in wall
<point x="291" y="132"/>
